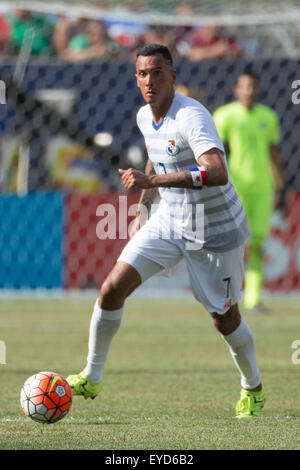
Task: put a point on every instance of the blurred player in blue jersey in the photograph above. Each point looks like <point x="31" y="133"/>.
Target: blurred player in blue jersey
<point x="187" y="166"/>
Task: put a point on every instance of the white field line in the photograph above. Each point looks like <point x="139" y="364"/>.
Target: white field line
<point x="130" y="419"/>
<point x="90" y="420"/>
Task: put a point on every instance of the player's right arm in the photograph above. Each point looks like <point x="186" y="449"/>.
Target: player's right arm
<point x="147" y="198"/>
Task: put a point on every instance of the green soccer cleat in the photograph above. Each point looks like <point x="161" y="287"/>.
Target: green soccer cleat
<point x="81" y="384"/>
<point x="250" y="403"/>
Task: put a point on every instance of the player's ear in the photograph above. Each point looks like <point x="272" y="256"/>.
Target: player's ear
<point x="174" y="75"/>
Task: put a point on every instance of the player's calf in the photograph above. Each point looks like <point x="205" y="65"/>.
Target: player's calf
<point x="240" y="341"/>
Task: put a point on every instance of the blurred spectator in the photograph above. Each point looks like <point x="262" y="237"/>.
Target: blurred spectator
<point x="185" y="9"/>
<point x="165" y="35"/>
<point x="128" y="34"/>
<point x="157" y="35"/>
<point x="128" y="40"/>
<point x="87" y="39"/>
<point x="211" y="42"/>
<point x="33" y="28"/>
<point x="65" y="30"/>
<point x="4" y="33"/>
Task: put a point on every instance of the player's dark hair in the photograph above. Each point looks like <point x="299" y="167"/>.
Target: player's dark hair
<point x="153" y="49"/>
<point x="249" y="73"/>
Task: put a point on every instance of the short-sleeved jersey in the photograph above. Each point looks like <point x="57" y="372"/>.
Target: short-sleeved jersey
<point x="186" y="132"/>
<point x="249" y="135"/>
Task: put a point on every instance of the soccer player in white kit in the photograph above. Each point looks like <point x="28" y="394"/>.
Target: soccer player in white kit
<point x="187" y="166"/>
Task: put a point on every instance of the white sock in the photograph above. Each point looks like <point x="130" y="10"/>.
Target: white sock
<point x="242" y="349"/>
<point x="104" y="325"/>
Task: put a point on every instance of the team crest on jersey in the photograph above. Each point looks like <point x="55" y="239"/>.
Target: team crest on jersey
<point x="172" y="148"/>
<point x="263" y="125"/>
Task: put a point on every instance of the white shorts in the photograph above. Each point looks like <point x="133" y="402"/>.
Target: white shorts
<point x="216" y="277"/>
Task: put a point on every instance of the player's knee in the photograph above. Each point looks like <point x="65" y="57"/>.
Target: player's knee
<point x="111" y="297"/>
<point x="119" y="284"/>
<point x="228" y="322"/>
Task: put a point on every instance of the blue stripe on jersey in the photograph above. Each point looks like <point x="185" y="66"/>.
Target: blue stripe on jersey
<point x="157" y="126"/>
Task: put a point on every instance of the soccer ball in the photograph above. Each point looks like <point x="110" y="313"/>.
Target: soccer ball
<point x="46" y="397"/>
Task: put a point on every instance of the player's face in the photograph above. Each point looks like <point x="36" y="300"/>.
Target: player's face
<point x="247" y="90"/>
<point x="156" y="79"/>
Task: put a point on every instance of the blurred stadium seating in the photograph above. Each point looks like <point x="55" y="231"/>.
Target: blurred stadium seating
<point x="78" y="123"/>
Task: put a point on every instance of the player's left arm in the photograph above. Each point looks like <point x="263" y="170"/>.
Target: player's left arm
<point x="277" y="167"/>
<point x="212" y="163"/>
<point x="275" y="154"/>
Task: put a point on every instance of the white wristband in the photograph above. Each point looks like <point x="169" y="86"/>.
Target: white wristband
<point x="197" y="175"/>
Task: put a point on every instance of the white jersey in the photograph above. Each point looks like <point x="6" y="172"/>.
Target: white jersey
<point x="186" y="132"/>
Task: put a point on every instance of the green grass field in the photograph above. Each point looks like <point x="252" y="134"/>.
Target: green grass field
<point x="170" y="382"/>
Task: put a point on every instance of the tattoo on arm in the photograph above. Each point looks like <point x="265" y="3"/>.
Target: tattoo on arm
<point x="148" y="196"/>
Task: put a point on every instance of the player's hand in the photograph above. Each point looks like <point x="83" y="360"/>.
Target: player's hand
<point x="135" y="179"/>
